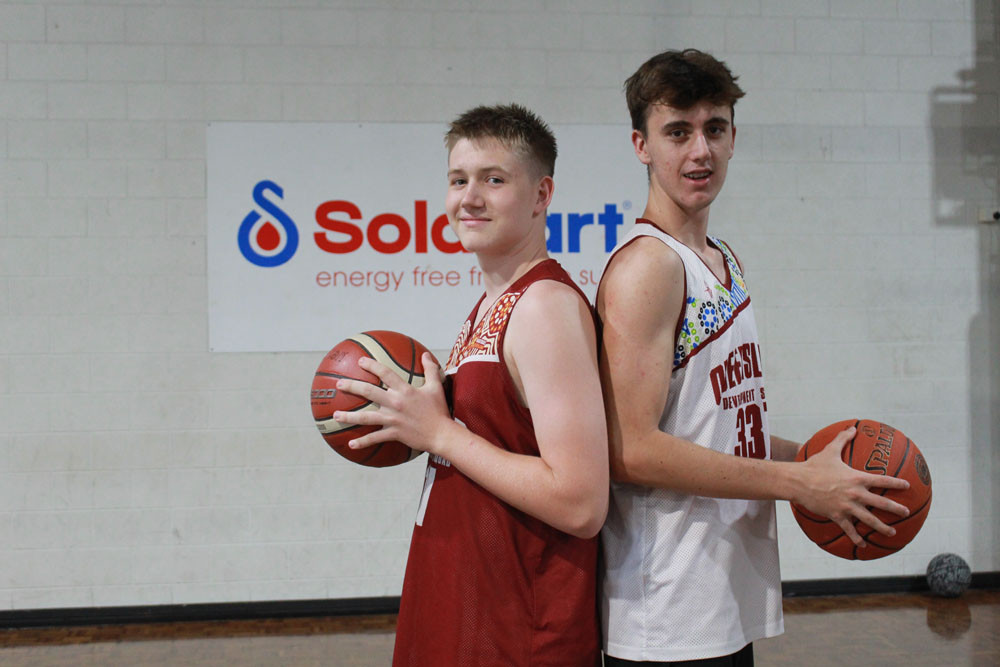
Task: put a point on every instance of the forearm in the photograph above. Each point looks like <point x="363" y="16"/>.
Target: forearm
<point x="573" y="501"/>
<point x="823" y="485"/>
<point x="664" y="461"/>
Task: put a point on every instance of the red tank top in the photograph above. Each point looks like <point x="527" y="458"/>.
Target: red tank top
<point x="487" y="584"/>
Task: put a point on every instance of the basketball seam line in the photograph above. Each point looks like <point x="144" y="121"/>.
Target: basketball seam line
<point x="411" y="371"/>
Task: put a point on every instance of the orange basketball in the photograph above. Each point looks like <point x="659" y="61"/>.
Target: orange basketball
<point x="395" y="350"/>
<point x="880" y="449"/>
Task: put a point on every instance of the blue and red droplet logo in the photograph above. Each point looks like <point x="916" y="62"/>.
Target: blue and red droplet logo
<point x="268" y="241"/>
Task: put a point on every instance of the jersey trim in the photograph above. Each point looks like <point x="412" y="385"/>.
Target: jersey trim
<point x="489" y="358"/>
<point x="728" y="282"/>
<point x="715" y="334"/>
<point x="699" y="317"/>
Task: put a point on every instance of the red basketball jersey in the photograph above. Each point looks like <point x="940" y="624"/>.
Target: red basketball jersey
<point x="485" y="583"/>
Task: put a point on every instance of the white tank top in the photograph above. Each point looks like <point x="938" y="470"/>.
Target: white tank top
<point x="690" y="577"/>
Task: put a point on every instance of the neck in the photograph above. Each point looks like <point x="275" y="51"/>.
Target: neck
<point x="688" y="227"/>
<point x="499" y="273"/>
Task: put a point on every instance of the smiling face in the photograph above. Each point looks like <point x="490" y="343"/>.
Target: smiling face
<point x="496" y="199"/>
<point x="687" y="152"/>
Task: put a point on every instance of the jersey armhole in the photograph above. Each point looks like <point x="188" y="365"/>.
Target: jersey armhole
<point x="607" y="265"/>
<point x="682" y="315"/>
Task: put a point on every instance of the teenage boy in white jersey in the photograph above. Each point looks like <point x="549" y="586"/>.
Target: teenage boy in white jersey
<point x="690" y="546"/>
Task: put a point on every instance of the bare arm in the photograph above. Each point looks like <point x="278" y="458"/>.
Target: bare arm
<point x="551" y="349"/>
<point x="640" y="301"/>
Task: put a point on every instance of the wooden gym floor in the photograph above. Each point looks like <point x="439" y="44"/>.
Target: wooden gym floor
<point x="858" y="630"/>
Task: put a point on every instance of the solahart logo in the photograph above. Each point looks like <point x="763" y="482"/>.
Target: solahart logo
<point x="268" y="241"/>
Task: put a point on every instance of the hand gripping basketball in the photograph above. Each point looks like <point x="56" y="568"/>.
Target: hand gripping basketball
<point x="412" y="415"/>
<point x="883" y="450"/>
<point x="394" y="350"/>
<point x="844" y="494"/>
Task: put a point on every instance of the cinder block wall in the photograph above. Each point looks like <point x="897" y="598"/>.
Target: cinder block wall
<point x="137" y="468"/>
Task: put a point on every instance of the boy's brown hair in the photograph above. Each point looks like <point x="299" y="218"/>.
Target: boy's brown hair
<point x="512" y="125"/>
<point x="680" y="79"/>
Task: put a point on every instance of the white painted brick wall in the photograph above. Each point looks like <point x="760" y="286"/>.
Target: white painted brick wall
<point x="136" y="468"/>
<point x="118" y="62"/>
<point x="22" y="22"/>
<point x="23" y="100"/>
<point x="891" y="38"/>
<point x="43" y="62"/>
<point x="43" y="139"/>
<point x="86" y="25"/>
<point x="853" y="72"/>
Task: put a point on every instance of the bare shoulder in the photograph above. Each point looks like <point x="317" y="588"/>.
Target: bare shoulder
<point x="551" y="342"/>
<point x="645" y="250"/>
<point x="645" y="277"/>
<point x="550" y="305"/>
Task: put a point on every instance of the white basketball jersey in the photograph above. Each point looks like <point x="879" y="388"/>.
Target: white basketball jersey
<point x="690" y="577"/>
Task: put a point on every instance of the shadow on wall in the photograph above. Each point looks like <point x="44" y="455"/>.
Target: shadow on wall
<point x="966" y="134"/>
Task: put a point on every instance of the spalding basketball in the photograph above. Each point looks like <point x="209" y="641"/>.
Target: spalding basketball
<point x="395" y="350"/>
<point x="883" y="450"/>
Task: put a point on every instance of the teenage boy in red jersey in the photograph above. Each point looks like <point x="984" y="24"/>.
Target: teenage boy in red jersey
<point x="502" y="567"/>
<point x="690" y="546"/>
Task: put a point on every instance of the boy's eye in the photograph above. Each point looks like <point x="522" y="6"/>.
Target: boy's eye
<point x="494" y="180"/>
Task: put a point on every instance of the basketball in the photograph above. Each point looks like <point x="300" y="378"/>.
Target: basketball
<point x="883" y="450"/>
<point x="395" y="350"/>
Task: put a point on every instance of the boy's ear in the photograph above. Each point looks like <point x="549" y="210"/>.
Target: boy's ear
<point x="639" y="145"/>
<point x="546" y="188"/>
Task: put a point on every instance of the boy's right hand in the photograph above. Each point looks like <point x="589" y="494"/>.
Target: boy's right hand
<point x="835" y="490"/>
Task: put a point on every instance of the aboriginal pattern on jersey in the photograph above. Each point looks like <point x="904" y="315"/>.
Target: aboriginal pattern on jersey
<point x="704" y="315"/>
<point x="483" y="341"/>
